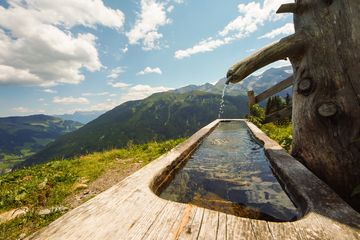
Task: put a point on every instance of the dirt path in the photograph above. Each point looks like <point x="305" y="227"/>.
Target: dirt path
<point x="123" y="168"/>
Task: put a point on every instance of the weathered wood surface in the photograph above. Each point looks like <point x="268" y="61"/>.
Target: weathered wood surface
<point x="130" y="210"/>
<point x="326" y="118"/>
<point x="325" y="55"/>
<point x="275" y="89"/>
<point x="289" y="46"/>
<point x="251" y="98"/>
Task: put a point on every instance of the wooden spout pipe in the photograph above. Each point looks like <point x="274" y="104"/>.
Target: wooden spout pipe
<point x="286" y="47"/>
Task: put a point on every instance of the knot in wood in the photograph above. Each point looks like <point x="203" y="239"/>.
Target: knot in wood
<point x="328" y="109"/>
<point x="305" y="86"/>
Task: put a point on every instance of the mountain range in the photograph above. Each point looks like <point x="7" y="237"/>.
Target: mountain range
<point x="172" y="114"/>
<point x="83" y="117"/>
<point x="21" y="137"/>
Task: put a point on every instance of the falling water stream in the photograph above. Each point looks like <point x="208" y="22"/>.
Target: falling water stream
<point x="222" y="102"/>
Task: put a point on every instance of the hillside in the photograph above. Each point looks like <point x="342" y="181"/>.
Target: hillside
<point x="49" y="190"/>
<point x="21" y="137"/>
<point x="159" y="117"/>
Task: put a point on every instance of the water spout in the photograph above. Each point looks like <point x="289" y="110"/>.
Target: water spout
<point x="286" y="47"/>
<point x="221" y="109"/>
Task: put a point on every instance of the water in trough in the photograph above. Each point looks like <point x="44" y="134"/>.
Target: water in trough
<point x="229" y="172"/>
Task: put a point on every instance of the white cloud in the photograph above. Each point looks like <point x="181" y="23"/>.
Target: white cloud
<point x="152" y="16"/>
<point x="203" y="46"/>
<point x="287" y="29"/>
<point x="70" y="100"/>
<point x="115" y="73"/>
<point x="124" y="49"/>
<point x="27" y="111"/>
<point x="48" y="90"/>
<point x="252" y="16"/>
<point x="95" y="94"/>
<point x="37" y="46"/>
<point x="11" y="75"/>
<point x="149" y="70"/>
<point x="170" y="8"/>
<point x="21" y="110"/>
<point x="118" y="84"/>
<point x="138" y="92"/>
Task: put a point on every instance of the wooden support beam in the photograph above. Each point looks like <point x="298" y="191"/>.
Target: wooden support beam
<point x="286" y="47"/>
<point x="291" y="8"/>
<point x="284" y="113"/>
<point x="275" y="89"/>
<point x="251" y="99"/>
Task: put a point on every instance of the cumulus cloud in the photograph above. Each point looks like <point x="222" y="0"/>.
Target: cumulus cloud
<point x="27" y="111"/>
<point x="124" y="49"/>
<point x="70" y="100"/>
<point x="152" y="16"/>
<point x="118" y="84"/>
<point x="287" y="29"/>
<point x="208" y="45"/>
<point x="115" y="73"/>
<point x="138" y="92"/>
<point x="90" y="94"/>
<point x="149" y="70"/>
<point x="37" y="46"/>
<point x="48" y="90"/>
<point x="252" y="16"/>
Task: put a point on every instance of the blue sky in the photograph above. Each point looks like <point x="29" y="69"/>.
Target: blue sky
<point x="64" y="56"/>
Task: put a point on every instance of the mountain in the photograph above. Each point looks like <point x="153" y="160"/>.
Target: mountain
<point x="257" y="83"/>
<point x="21" y="137"/>
<point x="82" y="117"/>
<point x="159" y="117"/>
<point x="172" y="114"/>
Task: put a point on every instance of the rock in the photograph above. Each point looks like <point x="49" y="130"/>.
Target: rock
<point x="22" y="236"/>
<point x="13" y="213"/>
<point x="79" y="186"/>
<point x="47" y="211"/>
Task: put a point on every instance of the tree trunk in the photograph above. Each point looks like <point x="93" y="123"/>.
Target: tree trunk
<point x="326" y="97"/>
<point x="325" y="54"/>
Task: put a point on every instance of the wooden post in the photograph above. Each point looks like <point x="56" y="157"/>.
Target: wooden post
<point x="325" y="55"/>
<point x="251" y="99"/>
<point x="326" y="97"/>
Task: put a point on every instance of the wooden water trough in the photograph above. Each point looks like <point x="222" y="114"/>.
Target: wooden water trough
<point x="131" y="210"/>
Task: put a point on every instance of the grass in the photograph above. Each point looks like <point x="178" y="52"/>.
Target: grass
<point x="280" y="132"/>
<point x="48" y="185"/>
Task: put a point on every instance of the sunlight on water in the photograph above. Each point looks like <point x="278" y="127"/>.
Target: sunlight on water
<point x="230" y="173"/>
<point x="222" y="102"/>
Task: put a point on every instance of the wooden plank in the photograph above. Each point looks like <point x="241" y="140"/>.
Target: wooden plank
<point x="283" y="230"/>
<point x="275" y="89"/>
<point x="261" y="230"/>
<point x="163" y="224"/>
<point x="239" y="228"/>
<point x="222" y="227"/>
<point x="281" y="114"/>
<point x="192" y="228"/>
<point x="209" y="226"/>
